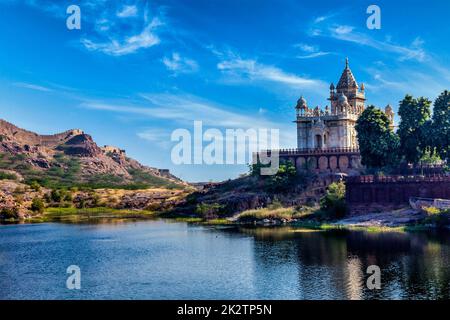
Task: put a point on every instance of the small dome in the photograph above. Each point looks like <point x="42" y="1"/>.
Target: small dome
<point x="301" y="103"/>
<point x="362" y="86"/>
<point x="342" y="98"/>
<point x="332" y="86"/>
<point x="388" y="109"/>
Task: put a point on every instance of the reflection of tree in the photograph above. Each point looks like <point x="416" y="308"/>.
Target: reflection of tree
<point x="332" y="264"/>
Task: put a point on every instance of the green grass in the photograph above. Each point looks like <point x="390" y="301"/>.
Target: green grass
<point x="217" y="222"/>
<point x="75" y="214"/>
<point x="7" y="176"/>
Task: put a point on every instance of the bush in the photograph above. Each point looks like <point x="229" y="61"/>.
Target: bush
<point x="56" y="195"/>
<point x="9" y="213"/>
<point x="333" y="203"/>
<point x="7" y="176"/>
<point x="37" y="205"/>
<point x="436" y="217"/>
<point x="35" y="186"/>
<point x="208" y="210"/>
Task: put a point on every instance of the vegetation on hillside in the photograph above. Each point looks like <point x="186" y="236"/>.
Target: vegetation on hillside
<point x="66" y="172"/>
<point x="332" y="204"/>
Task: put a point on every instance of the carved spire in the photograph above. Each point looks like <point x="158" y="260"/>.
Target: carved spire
<point x="347" y="79"/>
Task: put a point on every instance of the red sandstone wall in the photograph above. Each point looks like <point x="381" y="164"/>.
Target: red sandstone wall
<point x="368" y="193"/>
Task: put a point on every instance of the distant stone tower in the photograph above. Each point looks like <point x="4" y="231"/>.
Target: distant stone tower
<point x="390" y="114"/>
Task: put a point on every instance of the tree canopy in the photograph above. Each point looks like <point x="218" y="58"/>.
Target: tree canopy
<point x="377" y="142"/>
<point x="414" y="128"/>
<point x="441" y="124"/>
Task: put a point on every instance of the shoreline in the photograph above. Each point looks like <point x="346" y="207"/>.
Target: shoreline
<point x="74" y="215"/>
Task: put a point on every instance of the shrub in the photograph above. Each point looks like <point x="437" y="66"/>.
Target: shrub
<point x="35" y="186"/>
<point x="333" y="202"/>
<point x="436" y="217"/>
<point x="9" y="213"/>
<point x="7" y="176"/>
<point x="56" y="195"/>
<point x="208" y="210"/>
<point x="37" y="205"/>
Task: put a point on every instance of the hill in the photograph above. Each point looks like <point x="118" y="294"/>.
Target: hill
<point x="73" y="159"/>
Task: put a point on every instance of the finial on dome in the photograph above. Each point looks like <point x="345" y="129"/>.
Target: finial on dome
<point x="346" y="62"/>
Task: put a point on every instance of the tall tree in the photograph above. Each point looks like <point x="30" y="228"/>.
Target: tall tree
<point x="441" y="124"/>
<point x="378" y="144"/>
<point x="414" y="114"/>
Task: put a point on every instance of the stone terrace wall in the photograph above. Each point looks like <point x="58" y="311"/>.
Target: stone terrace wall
<point x="366" y="194"/>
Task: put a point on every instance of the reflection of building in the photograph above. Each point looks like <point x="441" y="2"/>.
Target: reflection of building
<point x="327" y="139"/>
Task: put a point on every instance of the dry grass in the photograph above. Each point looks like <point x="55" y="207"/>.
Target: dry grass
<point x="288" y="213"/>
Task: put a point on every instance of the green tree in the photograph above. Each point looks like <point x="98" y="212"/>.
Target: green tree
<point x="333" y="202"/>
<point x="284" y="178"/>
<point x="441" y="124"/>
<point x="414" y="114"/>
<point x="378" y="144"/>
<point x="37" y="205"/>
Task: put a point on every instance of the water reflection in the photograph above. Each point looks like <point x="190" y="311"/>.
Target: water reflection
<point x="333" y="264"/>
<point x="165" y="260"/>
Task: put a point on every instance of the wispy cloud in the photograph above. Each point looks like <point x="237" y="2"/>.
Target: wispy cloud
<point x="130" y="44"/>
<point x="178" y="64"/>
<point x="128" y="11"/>
<point x="348" y="33"/>
<point x="311" y="51"/>
<point x="32" y="86"/>
<point x="156" y="136"/>
<point x="251" y="69"/>
<point x="183" y="109"/>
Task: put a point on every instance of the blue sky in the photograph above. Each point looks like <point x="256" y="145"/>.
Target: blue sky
<point x="137" y="70"/>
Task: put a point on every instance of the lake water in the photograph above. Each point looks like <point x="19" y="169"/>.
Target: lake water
<point x="172" y="260"/>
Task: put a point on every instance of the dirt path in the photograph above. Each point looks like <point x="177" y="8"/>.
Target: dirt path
<point x="395" y="218"/>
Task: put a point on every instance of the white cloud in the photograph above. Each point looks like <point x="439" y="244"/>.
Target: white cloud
<point x="183" y="109"/>
<point x="313" y="55"/>
<point x="32" y="86"/>
<point x="348" y="33"/>
<point x="343" y="29"/>
<point x="305" y="47"/>
<point x="118" y="47"/>
<point x="320" y="19"/>
<point x="127" y="11"/>
<point x="179" y="64"/>
<point x="249" y="69"/>
<point x="311" y="50"/>
<point x="156" y="136"/>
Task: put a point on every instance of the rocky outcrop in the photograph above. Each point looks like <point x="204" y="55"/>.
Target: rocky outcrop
<point x="81" y="145"/>
<point x="46" y="152"/>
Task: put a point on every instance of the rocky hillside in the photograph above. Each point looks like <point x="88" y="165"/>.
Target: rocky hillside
<point x="228" y="198"/>
<point x="72" y="158"/>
